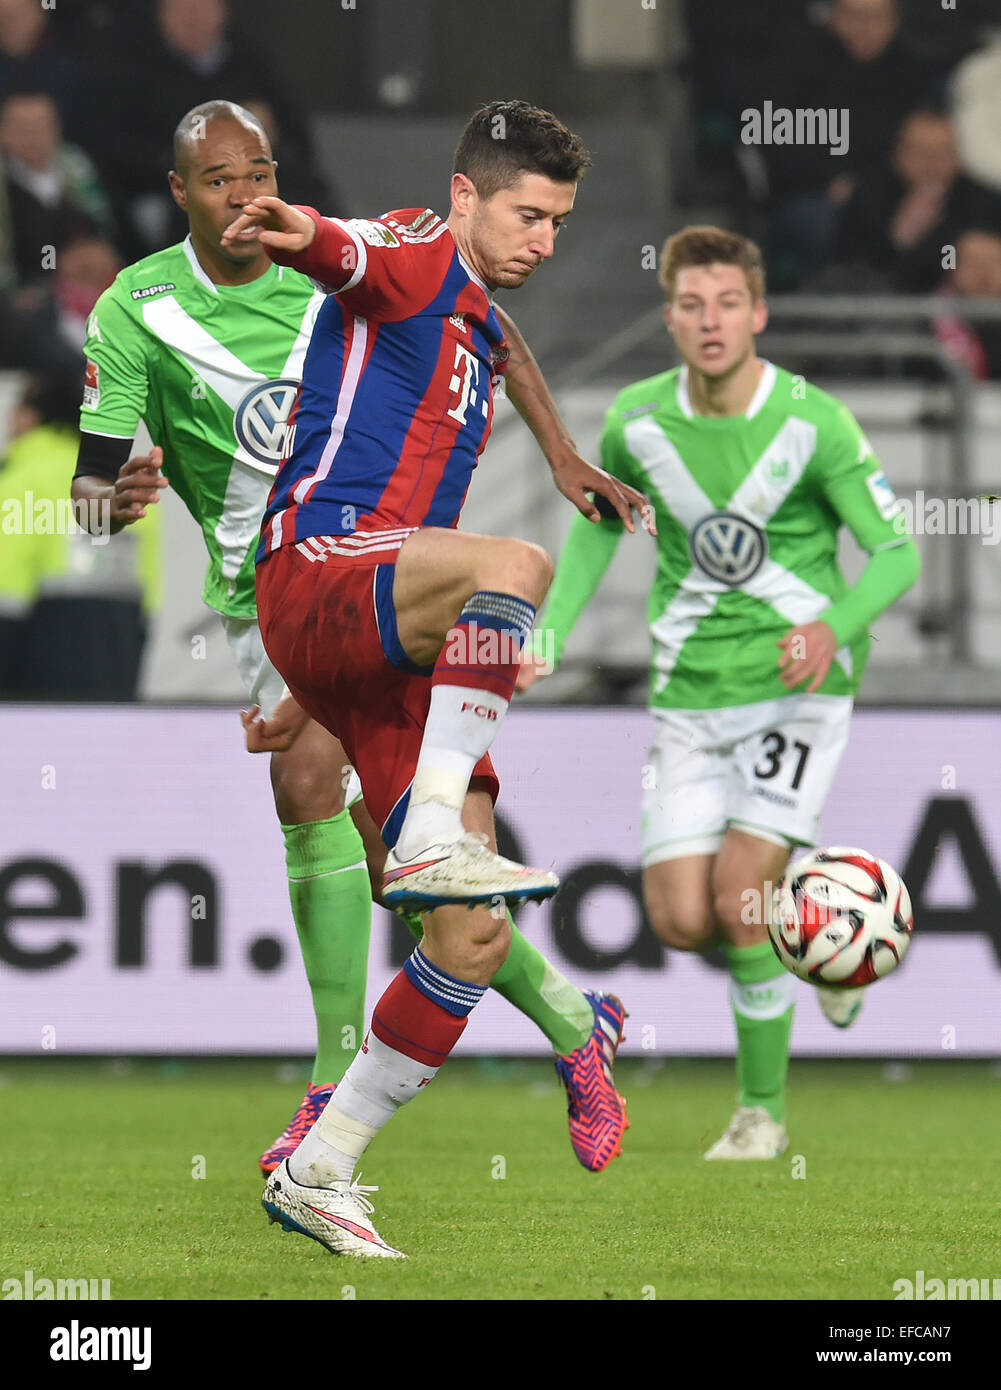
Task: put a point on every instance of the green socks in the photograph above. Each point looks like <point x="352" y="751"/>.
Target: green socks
<point x="762" y="994"/>
<point x="538" y="990"/>
<point x="332" y="907"/>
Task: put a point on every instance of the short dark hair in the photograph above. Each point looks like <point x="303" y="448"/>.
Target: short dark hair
<point x="694" y="246"/>
<point x="506" y="139"/>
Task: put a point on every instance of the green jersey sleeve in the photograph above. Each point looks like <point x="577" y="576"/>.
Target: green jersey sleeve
<point x="117" y="379"/>
<point x="588" y="550"/>
<point x="855" y="486"/>
<point x="857" y="490"/>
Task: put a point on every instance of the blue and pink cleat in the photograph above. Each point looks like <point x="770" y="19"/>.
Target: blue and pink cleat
<point x="596" y="1111"/>
<point x="298" y="1127"/>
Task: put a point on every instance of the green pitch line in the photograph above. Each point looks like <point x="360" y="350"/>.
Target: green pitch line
<point x="479" y="1186"/>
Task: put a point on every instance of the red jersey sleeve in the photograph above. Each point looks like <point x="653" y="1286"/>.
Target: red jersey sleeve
<point x="383" y="268"/>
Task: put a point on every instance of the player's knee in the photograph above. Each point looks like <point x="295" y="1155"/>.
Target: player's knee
<point x="472" y="946"/>
<point x="740" y="915"/>
<point x="685" y="926"/>
<point x="304" y="792"/>
<point x="541" y="565"/>
<point x="519" y="567"/>
<point x="489" y="940"/>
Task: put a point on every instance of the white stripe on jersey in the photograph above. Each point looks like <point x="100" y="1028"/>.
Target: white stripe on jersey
<point x="345" y="400"/>
<point x="374" y="542"/>
<point x="296" y="358"/>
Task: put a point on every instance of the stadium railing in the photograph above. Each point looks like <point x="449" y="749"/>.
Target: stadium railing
<point x="940" y="644"/>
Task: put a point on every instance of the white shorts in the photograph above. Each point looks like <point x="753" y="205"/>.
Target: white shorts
<point x="764" y="768"/>
<point x="264" y="685"/>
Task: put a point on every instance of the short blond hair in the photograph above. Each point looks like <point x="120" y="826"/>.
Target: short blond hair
<point x="694" y="246"/>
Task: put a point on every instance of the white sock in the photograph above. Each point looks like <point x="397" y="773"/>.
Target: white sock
<point x="461" y="725"/>
<point x="373" y="1088"/>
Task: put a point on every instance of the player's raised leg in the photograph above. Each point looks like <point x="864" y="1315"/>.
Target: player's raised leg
<point x="464" y="606"/>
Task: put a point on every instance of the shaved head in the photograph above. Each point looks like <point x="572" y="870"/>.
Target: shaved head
<point x="222" y="160"/>
<point x="192" y="129"/>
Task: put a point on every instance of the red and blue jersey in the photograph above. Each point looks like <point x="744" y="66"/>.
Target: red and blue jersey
<point x="397" y="388"/>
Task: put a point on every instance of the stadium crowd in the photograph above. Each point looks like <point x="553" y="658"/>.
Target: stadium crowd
<point x="90" y="94"/>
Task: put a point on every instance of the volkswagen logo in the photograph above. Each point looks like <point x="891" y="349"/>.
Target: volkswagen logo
<point x="727" y="548"/>
<point x="261" y="419"/>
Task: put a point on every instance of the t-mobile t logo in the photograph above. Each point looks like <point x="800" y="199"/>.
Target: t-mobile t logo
<point x="464" y="379"/>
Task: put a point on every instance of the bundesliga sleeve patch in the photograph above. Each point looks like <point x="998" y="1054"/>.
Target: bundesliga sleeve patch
<point x="883" y="495"/>
<point x="375" y="233"/>
<point x="92" y="386"/>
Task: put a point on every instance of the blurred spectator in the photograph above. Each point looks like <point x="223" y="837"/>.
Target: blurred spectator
<point x="859" y="65"/>
<point x="73" y="607"/>
<point x="51" y="192"/>
<point x="977" y="276"/>
<point x="43" y="325"/>
<point x="31" y="56"/>
<point x="190" y="56"/>
<point x="899" y="220"/>
<point x="299" y="179"/>
<point x="976" y="95"/>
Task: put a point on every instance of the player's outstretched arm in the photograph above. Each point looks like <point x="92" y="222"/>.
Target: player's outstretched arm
<point x="123" y="501"/>
<point x="282" y="227"/>
<point x="573" y="475"/>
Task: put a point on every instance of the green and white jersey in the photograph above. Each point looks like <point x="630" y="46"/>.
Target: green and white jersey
<point x="213" y="371"/>
<point x="748" y="510"/>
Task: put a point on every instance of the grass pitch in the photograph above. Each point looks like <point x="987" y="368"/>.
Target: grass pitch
<point x="479" y="1186"/>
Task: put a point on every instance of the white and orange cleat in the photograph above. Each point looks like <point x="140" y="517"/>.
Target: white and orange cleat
<point x="336" y="1216"/>
<point x="461" y="871"/>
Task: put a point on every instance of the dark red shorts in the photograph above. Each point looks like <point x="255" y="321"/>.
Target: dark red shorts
<point x="329" y="628"/>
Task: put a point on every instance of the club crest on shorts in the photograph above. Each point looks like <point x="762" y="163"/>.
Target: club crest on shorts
<point x="727" y="548"/>
<point x="261" y="420"/>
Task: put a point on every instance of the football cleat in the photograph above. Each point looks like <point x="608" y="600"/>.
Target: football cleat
<point x="841" y="1006"/>
<point x="462" y="871"/>
<point x="310" y="1108"/>
<point x="752" y="1133"/>
<point x="596" y="1112"/>
<point x="337" y="1216"/>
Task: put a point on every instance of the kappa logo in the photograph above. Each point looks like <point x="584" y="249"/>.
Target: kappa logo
<point x="260" y="421"/>
<point x="727" y="548"/>
<point x="148" y="291"/>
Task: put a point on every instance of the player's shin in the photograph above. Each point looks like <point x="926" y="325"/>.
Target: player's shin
<point x="762" y="995"/>
<point x="472" y="685"/>
<point x="534" y="986"/>
<point x="332" y="906"/>
<point x="415" y="1025"/>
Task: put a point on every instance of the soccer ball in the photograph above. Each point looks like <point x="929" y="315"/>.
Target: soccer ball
<point x="840" y="917"/>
